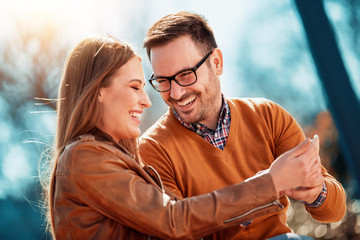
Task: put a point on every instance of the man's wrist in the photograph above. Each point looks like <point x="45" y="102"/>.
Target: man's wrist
<point x="320" y="199"/>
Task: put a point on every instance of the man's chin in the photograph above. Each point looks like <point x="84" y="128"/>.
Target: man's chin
<point x="186" y="117"/>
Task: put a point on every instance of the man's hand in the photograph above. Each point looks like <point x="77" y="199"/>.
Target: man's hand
<point x="297" y="172"/>
<point x="309" y="192"/>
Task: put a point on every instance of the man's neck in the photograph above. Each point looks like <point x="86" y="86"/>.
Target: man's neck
<point x="211" y="121"/>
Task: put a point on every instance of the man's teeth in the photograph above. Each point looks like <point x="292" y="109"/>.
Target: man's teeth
<point x="135" y="115"/>
<point x="186" y="101"/>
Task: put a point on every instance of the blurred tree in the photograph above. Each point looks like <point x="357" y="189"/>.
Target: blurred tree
<point x="31" y="59"/>
<point x="344" y="16"/>
<point x="352" y="22"/>
<point x="31" y="56"/>
<point x="330" y="154"/>
<point x="273" y="62"/>
<point x="342" y="100"/>
<point x="30" y="63"/>
<point x="298" y="219"/>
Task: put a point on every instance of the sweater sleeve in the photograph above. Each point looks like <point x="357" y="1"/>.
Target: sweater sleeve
<point x="334" y="207"/>
<point x="287" y="133"/>
<point x="285" y="130"/>
<point x="154" y="154"/>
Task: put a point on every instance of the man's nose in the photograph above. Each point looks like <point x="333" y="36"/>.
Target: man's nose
<point x="176" y="91"/>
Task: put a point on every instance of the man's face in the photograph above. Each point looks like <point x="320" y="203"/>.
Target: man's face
<point x="200" y="102"/>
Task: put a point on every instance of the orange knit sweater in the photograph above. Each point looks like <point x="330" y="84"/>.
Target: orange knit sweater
<point x="260" y="132"/>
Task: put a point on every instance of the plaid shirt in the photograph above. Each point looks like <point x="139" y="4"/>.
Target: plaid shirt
<point x="321" y="198"/>
<point x="219" y="136"/>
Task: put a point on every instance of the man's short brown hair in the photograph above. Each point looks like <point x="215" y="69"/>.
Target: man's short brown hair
<point x="179" y="24"/>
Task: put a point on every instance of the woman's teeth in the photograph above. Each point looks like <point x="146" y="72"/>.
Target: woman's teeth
<point x="135" y="115"/>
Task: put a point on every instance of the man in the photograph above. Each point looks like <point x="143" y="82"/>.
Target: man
<point x="206" y="141"/>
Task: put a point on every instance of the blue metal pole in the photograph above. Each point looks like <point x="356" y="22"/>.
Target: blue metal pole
<point x="341" y="98"/>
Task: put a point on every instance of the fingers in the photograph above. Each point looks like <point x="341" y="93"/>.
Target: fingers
<point x="315" y="180"/>
<point x="311" y="172"/>
<point x="314" y="160"/>
<point x="301" y="148"/>
<point x="308" y="195"/>
<point x="316" y="143"/>
<point x="315" y="167"/>
<point x="297" y="167"/>
<point x="282" y="193"/>
<point x="312" y="176"/>
<point x="311" y="155"/>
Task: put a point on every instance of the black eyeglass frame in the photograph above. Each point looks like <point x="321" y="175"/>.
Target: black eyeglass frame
<point x="173" y="77"/>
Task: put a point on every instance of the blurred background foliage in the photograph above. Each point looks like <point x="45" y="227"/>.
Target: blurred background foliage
<point x="265" y="55"/>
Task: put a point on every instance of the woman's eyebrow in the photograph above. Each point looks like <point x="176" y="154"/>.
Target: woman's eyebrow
<point x="137" y="80"/>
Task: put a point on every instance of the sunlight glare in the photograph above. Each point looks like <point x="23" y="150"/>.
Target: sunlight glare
<point x="15" y="165"/>
<point x="69" y="14"/>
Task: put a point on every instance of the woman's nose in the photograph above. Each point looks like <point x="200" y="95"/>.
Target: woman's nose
<point x="145" y="100"/>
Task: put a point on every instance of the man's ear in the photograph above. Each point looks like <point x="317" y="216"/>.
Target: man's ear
<point x="217" y="61"/>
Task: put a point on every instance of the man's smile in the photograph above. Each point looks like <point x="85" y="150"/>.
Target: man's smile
<point x="186" y="101"/>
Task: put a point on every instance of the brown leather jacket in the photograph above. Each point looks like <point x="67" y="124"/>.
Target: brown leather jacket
<point x="100" y="192"/>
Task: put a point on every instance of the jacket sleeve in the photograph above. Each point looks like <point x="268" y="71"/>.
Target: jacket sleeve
<point x="105" y="183"/>
<point x="287" y="134"/>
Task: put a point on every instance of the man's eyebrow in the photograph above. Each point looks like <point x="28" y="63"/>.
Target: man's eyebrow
<point x="180" y="71"/>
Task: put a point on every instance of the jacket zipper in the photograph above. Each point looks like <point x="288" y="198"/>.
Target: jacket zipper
<point x="276" y="202"/>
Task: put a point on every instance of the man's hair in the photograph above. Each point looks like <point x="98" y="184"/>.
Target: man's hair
<point x="179" y="24"/>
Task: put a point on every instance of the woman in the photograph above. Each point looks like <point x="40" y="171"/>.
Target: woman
<point x="100" y="188"/>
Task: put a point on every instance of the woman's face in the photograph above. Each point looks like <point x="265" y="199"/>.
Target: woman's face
<point x="123" y="101"/>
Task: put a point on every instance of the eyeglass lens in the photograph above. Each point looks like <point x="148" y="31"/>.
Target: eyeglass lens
<point x="185" y="78"/>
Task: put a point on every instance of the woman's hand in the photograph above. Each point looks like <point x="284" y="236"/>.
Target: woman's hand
<point x="297" y="172"/>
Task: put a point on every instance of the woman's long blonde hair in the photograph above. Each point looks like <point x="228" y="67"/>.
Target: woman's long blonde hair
<point x="88" y="67"/>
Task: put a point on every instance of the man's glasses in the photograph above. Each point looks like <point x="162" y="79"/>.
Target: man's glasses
<point x="184" y="78"/>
